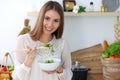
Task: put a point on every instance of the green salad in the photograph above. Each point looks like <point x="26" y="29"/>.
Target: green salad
<point x="49" y="61"/>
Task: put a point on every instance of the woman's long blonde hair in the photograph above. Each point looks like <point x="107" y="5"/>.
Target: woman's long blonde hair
<point x="37" y="30"/>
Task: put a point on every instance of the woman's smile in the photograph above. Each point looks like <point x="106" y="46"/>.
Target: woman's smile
<point x="48" y="28"/>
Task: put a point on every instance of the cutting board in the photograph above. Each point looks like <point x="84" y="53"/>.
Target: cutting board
<point x="89" y="57"/>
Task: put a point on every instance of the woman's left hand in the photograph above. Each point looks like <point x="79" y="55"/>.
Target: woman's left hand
<point x="59" y="70"/>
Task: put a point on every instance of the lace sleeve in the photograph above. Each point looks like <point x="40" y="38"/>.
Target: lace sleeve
<point x="21" y="71"/>
<point x="66" y="63"/>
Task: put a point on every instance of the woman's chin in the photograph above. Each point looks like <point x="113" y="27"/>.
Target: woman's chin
<point x="48" y="32"/>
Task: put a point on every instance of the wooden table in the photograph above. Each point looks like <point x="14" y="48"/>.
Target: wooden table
<point x="95" y="76"/>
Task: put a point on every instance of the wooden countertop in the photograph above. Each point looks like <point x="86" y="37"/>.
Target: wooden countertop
<point x="95" y="76"/>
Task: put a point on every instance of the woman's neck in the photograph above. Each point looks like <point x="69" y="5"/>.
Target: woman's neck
<point x="46" y="38"/>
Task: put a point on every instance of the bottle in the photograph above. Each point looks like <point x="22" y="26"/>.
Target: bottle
<point x="26" y="27"/>
<point x="91" y="7"/>
<point x="77" y="64"/>
<point x="103" y="8"/>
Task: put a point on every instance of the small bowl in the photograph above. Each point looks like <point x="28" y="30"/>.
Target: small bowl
<point x="49" y="64"/>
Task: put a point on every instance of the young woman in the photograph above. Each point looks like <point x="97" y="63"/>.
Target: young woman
<point x="47" y="30"/>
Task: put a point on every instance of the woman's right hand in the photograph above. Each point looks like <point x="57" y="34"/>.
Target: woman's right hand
<point x="31" y="53"/>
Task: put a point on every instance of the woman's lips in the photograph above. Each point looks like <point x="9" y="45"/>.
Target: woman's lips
<point x="49" y="29"/>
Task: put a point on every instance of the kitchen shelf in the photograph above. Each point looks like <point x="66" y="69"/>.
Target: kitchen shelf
<point x="93" y="14"/>
<point x="83" y="14"/>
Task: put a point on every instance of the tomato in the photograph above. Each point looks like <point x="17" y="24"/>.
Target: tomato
<point x="115" y="56"/>
<point x="112" y="57"/>
<point x="3" y="69"/>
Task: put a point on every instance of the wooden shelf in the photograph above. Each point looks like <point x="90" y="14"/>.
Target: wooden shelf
<point x="92" y="14"/>
<point x="83" y="14"/>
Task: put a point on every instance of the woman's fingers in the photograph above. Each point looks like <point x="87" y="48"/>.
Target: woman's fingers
<point x="59" y="69"/>
<point x="30" y="50"/>
<point x="49" y="72"/>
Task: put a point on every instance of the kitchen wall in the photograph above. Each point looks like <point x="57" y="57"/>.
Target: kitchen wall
<point x="80" y="32"/>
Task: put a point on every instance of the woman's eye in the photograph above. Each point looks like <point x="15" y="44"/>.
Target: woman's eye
<point x="56" y="20"/>
<point x="47" y="18"/>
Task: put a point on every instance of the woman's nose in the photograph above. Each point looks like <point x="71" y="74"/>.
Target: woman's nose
<point x="50" y="23"/>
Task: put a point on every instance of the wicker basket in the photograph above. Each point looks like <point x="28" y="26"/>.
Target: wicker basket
<point x="111" y="69"/>
<point x="6" y="74"/>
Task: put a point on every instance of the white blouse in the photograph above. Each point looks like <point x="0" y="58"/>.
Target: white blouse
<point x="61" y="51"/>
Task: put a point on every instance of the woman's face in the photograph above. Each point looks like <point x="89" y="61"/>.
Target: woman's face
<point x="51" y="22"/>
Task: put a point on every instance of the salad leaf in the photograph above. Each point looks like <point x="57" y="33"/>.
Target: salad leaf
<point x="50" y="46"/>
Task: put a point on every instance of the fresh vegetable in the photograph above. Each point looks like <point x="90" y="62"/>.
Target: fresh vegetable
<point x="4" y="69"/>
<point x="115" y="56"/>
<point x="6" y="79"/>
<point x="105" y="55"/>
<point x="112" y="50"/>
<point x="49" y="61"/>
<point x="11" y="68"/>
<point x="105" y="45"/>
<point x="48" y="45"/>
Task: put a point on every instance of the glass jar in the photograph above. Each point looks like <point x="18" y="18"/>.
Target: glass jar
<point x="103" y="8"/>
<point x="91" y="7"/>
